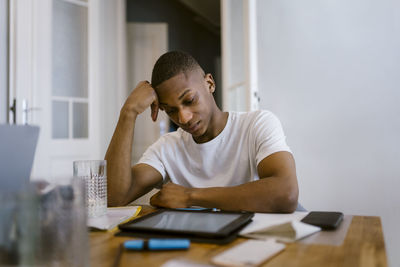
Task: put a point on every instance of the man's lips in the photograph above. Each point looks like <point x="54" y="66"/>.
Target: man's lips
<point x="193" y="127"/>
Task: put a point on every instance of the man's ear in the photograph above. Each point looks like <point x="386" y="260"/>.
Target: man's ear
<point x="210" y="82"/>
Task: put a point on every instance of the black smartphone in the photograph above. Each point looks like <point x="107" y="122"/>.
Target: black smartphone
<point x="327" y="220"/>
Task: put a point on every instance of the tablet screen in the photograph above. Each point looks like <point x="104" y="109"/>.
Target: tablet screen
<point x="191" y="221"/>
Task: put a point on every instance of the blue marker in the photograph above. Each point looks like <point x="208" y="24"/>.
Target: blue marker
<point x="157" y="244"/>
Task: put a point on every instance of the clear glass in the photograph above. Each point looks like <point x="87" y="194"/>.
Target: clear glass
<point x="60" y="119"/>
<point x="17" y="236"/>
<point x="80" y="120"/>
<point x="63" y="224"/>
<point x="45" y="225"/>
<point x="94" y="173"/>
<point x="70" y="50"/>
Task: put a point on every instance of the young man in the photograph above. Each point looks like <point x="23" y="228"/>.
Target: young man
<point x="226" y="160"/>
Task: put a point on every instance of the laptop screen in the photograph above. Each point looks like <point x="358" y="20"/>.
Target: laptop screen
<point x="17" y="151"/>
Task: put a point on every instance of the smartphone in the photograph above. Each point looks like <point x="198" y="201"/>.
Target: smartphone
<point x="327" y="220"/>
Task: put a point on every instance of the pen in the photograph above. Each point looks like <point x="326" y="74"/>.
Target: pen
<point x="157" y="244"/>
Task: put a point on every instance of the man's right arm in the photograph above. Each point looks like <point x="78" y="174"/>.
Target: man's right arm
<point x="126" y="183"/>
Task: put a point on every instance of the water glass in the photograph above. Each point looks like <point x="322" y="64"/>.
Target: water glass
<point x="94" y="173"/>
<point x="63" y="238"/>
<point x="45" y="225"/>
<point x="18" y="228"/>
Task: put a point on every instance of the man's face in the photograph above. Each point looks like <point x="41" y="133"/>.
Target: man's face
<point x="188" y="101"/>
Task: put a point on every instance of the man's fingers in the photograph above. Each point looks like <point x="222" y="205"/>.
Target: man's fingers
<point x="154" y="198"/>
<point x="154" y="111"/>
<point x="154" y="106"/>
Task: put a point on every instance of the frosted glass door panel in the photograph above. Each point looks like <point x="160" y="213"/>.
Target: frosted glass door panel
<point x="70" y="55"/>
<point x="236" y="56"/>
<point x="236" y="97"/>
<point x="234" y="65"/>
<point x="60" y="119"/>
<point x="80" y="120"/>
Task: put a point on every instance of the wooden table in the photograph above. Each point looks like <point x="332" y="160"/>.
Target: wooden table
<point x="363" y="246"/>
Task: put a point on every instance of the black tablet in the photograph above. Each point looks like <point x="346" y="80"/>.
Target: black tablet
<point x="203" y="223"/>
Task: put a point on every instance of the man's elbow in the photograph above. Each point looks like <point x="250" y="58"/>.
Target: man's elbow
<point x="114" y="201"/>
<point x="287" y="201"/>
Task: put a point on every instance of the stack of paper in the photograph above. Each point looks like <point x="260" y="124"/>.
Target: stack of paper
<point x="283" y="227"/>
<point x="114" y="217"/>
<point x="286" y="232"/>
<point x="249" y="253"/>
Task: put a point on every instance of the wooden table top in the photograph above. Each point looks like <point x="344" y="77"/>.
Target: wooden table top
<point x="363" y="246"/>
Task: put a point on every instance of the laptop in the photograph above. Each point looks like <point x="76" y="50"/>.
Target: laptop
<point x="17" y="151"/>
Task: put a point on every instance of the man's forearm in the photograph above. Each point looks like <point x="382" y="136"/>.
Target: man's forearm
<point x="265" y="195"/>
<point x="118" y="158"/>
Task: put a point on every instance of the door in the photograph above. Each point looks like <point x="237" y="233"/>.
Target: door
<point x="146" y="43"/>
<point x="239" y="55"/>
<point x="4" y="60"/>
<point x="50" y="81"/>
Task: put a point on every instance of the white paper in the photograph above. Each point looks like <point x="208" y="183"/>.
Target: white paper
<point x="285" y="232"/>
<point x="113" y="217"/>
<point x="249" y="253"/>
<point x="184" y="263"/>
<point x="283" y="227"/>
<point x="304" y="229"/>
<point x="264" y="220"/>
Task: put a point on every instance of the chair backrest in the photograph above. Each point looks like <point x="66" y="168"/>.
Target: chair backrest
<point x="300" y="207"/>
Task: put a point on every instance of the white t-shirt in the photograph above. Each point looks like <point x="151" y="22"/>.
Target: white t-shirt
<point x="231" y="158"/>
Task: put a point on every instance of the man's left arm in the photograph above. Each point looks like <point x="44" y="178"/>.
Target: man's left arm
<point x="276" y="191"/>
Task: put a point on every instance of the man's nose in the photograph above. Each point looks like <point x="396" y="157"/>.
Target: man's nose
<point x="184" y="116"/>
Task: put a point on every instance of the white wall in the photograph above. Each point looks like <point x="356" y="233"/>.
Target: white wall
<point x="331" y="71"/>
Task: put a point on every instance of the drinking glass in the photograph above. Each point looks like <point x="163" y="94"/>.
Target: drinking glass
<point x="63" y="238"/>
<point x="45" y="225"/>
<point x="18" y="228"/>
<point x="94" y="173"/>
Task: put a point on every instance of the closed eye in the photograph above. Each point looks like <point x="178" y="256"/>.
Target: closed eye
<point x="170" y="111"/>
<point x="190" y="101"/>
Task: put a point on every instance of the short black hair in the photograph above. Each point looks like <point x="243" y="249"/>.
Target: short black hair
<point x="171" y="64"/>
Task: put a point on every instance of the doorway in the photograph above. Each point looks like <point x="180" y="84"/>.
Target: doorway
<point x="193" y="26"/>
